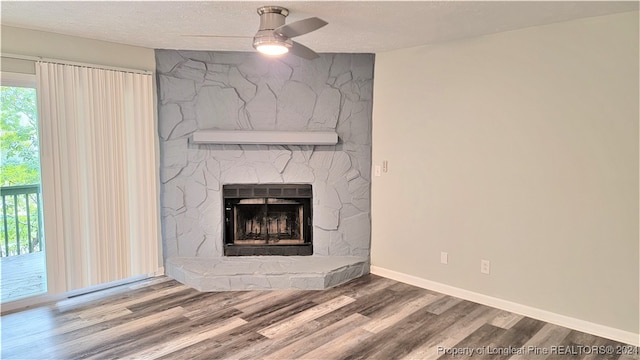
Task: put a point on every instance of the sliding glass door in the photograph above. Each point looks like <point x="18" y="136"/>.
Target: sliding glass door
<point x="22" y="251"/>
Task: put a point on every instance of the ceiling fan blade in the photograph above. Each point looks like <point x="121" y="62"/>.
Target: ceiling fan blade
<point x="300" y="27"/>
<point x="302" y="51"/>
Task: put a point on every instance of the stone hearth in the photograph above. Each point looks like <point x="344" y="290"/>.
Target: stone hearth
<point x="200" y="90"/>
<point x="265" y="273"/>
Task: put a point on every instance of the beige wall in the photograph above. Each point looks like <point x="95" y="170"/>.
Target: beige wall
<point x="45" y="44"/>
<point x="520" y="148"/>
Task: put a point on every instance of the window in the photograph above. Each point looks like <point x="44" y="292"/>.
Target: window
<point x="21" y="238"/>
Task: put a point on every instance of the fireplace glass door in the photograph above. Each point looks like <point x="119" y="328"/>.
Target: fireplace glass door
<point x="267" y="220"/>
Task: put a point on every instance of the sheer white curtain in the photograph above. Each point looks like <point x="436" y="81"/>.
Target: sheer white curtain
<point x="99" y="180"/>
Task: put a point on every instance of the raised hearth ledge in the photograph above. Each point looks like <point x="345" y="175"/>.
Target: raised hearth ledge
<point x="254" y="137"/>
<point x="265" y="272"/>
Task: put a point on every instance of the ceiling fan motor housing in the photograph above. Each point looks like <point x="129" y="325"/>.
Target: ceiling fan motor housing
<point x="271" y="17"/>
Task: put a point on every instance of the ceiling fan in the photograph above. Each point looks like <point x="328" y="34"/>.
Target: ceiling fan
<point x="274" y="36"/>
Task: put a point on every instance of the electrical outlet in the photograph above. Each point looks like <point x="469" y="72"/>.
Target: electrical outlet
<point x="444" y="258"/>
<point x="485" y="266"/>
<point x="385" y="166"/>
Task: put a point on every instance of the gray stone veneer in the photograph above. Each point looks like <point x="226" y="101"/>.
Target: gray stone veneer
<point x="247" y="91"/>
<point x="266" y="272"/>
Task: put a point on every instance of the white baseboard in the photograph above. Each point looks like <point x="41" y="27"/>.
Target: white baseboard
<point x="539" y="314"/>
<point x="40" y="300"/>
<point x="158" y="272"/>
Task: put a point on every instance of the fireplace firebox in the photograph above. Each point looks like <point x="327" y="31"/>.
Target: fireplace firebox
<point x="267" y="219"/>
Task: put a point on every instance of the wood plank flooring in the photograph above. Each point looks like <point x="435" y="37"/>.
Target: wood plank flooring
<point x="369" y="318"/>
<point x="22" y="276"/>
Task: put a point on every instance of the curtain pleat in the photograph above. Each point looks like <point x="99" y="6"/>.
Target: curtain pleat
<point x="99" y="175"/>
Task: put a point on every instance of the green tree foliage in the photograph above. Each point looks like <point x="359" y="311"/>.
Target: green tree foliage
<point x="19" y="165"/>
<point x="18" y="137"/>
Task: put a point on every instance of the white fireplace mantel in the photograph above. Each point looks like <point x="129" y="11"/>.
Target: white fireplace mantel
<point x="247" y="137"/>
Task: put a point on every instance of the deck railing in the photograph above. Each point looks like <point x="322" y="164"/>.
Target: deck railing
<point x="21" y="220"/>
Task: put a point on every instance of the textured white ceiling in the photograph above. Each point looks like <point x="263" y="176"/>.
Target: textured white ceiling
<point x="354" y="26"/>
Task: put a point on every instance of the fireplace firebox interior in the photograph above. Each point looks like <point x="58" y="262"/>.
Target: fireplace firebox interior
<point x="267" y="219"/>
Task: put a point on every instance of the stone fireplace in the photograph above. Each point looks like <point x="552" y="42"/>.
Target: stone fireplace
<point x="201" y="90"/>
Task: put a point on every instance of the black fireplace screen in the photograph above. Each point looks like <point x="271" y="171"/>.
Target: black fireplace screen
<point x="267" y="219"/>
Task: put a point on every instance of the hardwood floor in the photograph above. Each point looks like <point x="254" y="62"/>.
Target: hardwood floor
<point x="369" y="318"/>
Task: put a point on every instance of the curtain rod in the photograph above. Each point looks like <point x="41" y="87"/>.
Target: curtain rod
<point x="74" y="63"/>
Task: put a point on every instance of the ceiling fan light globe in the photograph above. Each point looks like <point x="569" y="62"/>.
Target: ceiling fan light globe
<point x="272" y="49"/>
